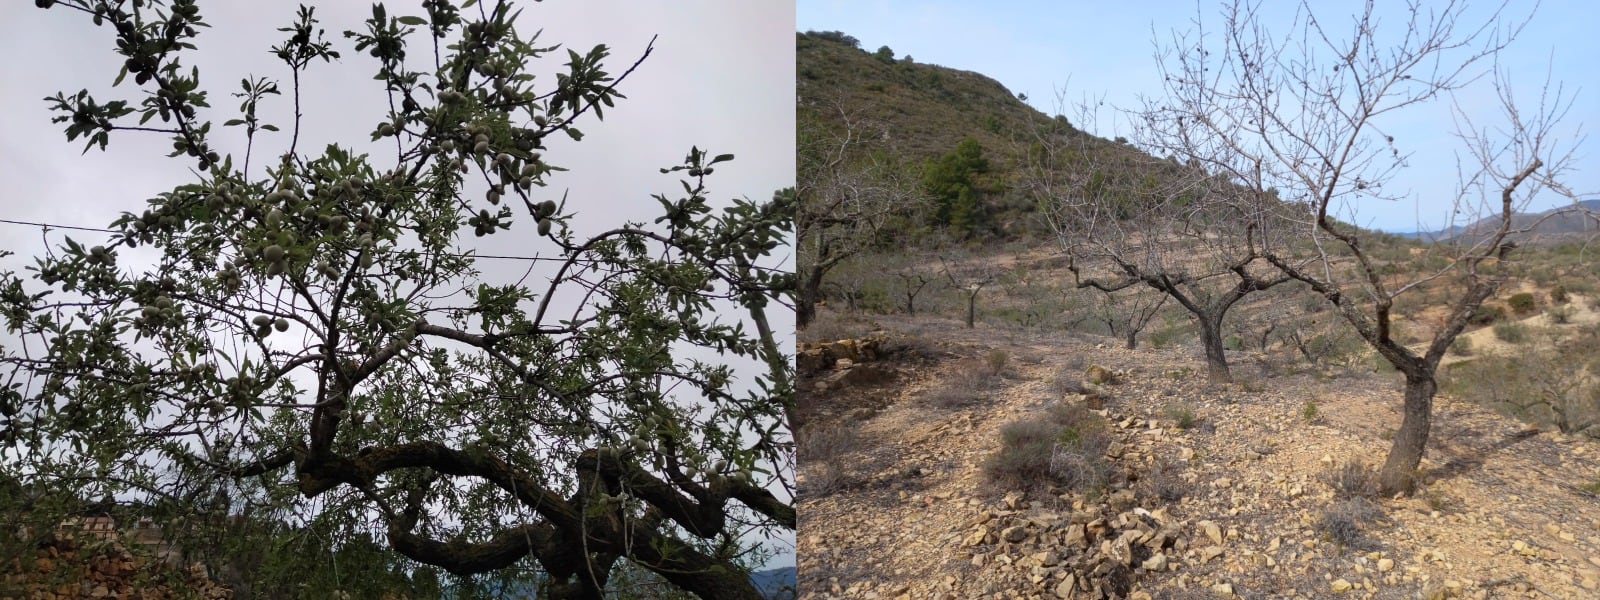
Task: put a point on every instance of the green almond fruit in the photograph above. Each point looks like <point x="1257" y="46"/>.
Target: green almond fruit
<point x="281" y="324"/>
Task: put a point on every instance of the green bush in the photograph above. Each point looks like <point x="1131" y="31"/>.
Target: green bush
<point x="1578" y="286"/>
<point x="1233" y="342"/>
<point x="1511" y="332"/>
<point x="1162" y="337"/>
<point x="1560" y="295"/>
<point x="1486" y="314"/>
<point x="1560" y="315"/>
<point x="1066" y="449"/>
<point x="1462" y="346"/>
<point x="1181" y="413"/>
<point x="1521" y="303"/>
<point x="996" y="359"/>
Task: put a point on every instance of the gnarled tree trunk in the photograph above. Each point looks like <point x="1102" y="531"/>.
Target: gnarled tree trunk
<point x="1399" y="470"/>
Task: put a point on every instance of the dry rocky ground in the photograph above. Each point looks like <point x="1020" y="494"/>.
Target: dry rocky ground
<point x="1504" y="511"/>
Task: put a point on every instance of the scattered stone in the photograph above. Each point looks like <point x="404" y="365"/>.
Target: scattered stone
<point x="1011" y="500"/>
<point x="1122" y="500"/>
<point x="1156" y="563"/>
<point x="976" y="538"/>
<point x="1340" y="585"/>
<point x="1099" y="375"/>
<point x="1212" y="531"/>
<point x="1524" y="549"/>
<point x="1076" y="536"/>
<point x="1014" y="534"/>
<point x="1385" y="565"/>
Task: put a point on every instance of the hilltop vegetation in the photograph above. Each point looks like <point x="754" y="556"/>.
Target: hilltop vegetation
<point x="916" y="114"/>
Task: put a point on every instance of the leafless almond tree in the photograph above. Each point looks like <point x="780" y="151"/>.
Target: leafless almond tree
<point x="846" y="193"/>
<point x="1301" y="113"/>
<point x="1126" y="220"/>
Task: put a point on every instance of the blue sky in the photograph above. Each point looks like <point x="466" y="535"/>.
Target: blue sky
<point x="1106" y="51"/>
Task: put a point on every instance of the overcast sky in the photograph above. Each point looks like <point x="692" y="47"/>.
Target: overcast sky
<point x="721" y="77"/>
<point x="1106" y="50"/>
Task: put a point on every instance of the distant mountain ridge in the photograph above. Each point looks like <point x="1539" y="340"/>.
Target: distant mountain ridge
<point x="775" y="584"/>
<point x="1556" y="223"/>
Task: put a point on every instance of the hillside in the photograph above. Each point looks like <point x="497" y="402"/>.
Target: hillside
<point x="919" y="112"/>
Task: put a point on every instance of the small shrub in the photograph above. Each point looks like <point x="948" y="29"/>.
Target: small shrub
<point x="961" y="391"/>
<point x="1341" y="522"/>
<point x="1592" y="487"/>
<point x="1462" y="346"/>
<point x="1560" y="295"/>
<point x="820" y="450"/>
<point x="1308" y="411"/>
<point x="1163" y="337"/>
<point x="1486" y="314"/>
<point x="1440" y="501"/>
<point x="1066" y="449"/>
<point x="824" y="478"/>
<point x="1521" y="303"/>
<point x="1313" y="304"/>
<point x="1351" y="479"/>
<point x="1181" y="413"/>
<point x="1511" y="332"/>
<point x="1233" y="342"/>
<point x="996" y="359"/>
<point x="1560" y="315"/>
<point x="1081" y="429"/>
<point x="1023" y="460"/>
<point x="1164" y="482"/>
<point x="825" y="443"/>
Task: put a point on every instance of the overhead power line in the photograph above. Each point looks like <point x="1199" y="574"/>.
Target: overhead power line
<point x="48" y="226"/>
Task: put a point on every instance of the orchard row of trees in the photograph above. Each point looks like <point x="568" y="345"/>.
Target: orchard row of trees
<point x="1270" y="139"/>
<point x="313" y="343"/>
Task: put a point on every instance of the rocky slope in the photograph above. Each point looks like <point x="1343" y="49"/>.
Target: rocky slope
<point x="1221" y="491"/>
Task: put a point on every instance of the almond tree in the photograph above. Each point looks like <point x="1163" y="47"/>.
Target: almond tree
<point x="315" y="338"/>
<point x="1127" y="220"/>
<point x="1303" y="114"/>
<point x="846" y="193"/>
